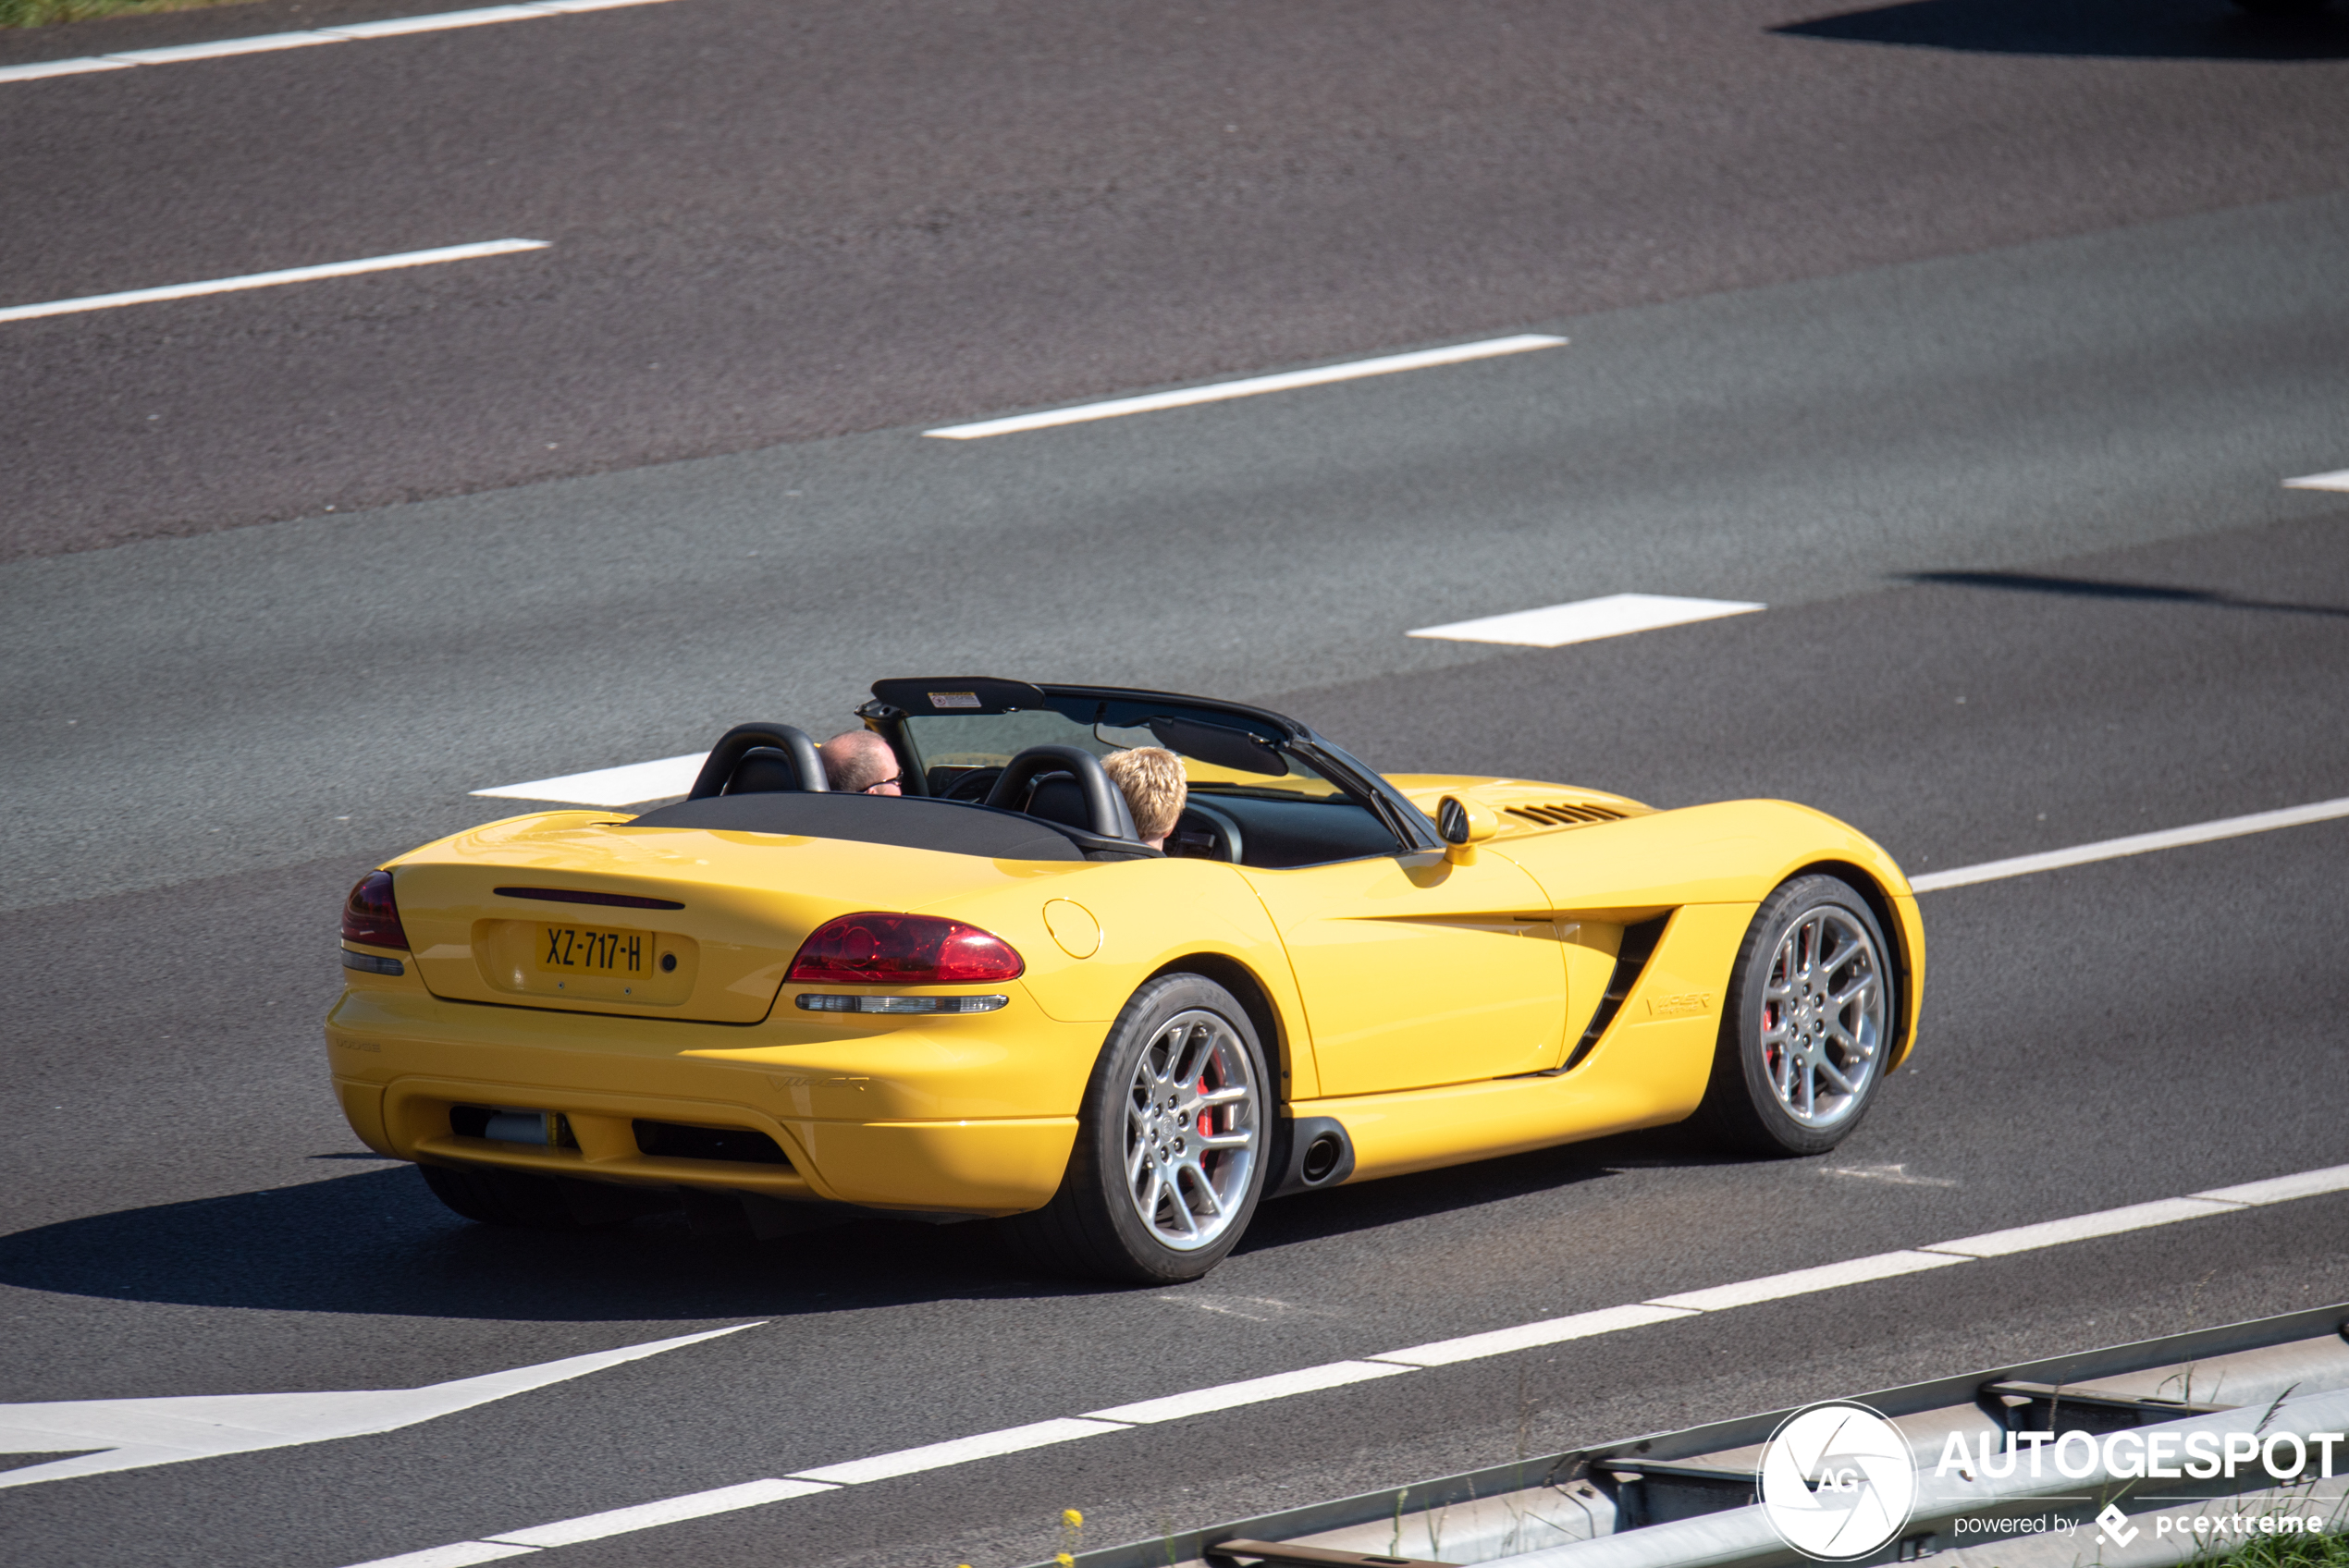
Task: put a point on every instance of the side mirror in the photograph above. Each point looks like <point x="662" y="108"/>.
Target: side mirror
<point x="1463" y="825"/>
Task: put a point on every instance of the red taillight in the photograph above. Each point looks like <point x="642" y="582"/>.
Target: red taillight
<point x="370" y="918"/>
<point x="903" y="949"/>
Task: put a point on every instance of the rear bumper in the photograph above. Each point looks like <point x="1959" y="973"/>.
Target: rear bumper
<point x="971" y="1115"/>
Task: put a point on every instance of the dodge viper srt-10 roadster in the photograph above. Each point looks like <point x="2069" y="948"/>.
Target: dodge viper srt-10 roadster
<point x="777" y="1005"/>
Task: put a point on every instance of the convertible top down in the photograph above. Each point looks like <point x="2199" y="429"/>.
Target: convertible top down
<point x="780" y="1005"/>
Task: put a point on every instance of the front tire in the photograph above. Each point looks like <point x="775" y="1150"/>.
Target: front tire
<point x="1807" y="1027"/>
<point x="1172" y="1143"/>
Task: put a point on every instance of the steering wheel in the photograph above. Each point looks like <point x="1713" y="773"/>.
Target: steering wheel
<point x="1106" y="814"/>
<point x="973" y="785"/>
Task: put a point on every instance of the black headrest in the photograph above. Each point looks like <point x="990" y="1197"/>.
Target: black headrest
<point x="1058" y="797"/>
<point x="764" y="771"/>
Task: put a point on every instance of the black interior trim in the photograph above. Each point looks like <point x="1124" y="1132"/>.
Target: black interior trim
<point x="908" y="822"/>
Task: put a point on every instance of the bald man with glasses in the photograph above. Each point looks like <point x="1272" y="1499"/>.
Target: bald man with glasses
<point x="858" y="762"/>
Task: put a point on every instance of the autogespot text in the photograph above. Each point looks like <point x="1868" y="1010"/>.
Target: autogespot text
<point x="2161" y="1456"/>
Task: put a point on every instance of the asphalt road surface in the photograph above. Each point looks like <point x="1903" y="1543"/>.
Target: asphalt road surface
<point x="1976" y="352"/>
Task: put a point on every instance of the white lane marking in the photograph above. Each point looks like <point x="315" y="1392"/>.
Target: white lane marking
<point x="2337" y="480"/>
<point x="1252" y="1391"/>
<point x="610" y="785"/>
<point x="2084" y="1227"/>
<point x="1253" y="387"/>
<point x="132" y="1433"/>
<point x="463" y="1554"/>
<point x="1527" y="1336"/>
<point x="2134" y="844"/>
<point x="1586" y="621"/>
<point x="1807" y="1281"/>
<point x="960" y="1451"/>
<point x="261" y="43"/>
<point x="1443" y="1353"/>
<point x="2281" y="1189"/>
<point x="272" y="280"/>
<point x="668" y="1511"/>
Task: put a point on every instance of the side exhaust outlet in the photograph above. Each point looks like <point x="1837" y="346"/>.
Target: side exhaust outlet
<point x="1315" y="1153"/>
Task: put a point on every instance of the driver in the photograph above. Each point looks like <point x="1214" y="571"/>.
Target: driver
<point x="858" y="762"/>
<point x="1152" y="778"/>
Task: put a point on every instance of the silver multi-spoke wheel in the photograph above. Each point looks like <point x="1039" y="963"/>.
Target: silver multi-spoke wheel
<point x="1811" y="1024"/>
<point x="1193" y="1130"/>
<point x="1823" y="1017"/>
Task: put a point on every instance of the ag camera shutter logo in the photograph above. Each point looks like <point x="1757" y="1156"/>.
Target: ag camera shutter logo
<point x="1836" y="1481"/>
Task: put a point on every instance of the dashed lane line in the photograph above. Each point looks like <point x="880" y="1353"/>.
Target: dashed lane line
<point x="1252" y="387"/>
<point x="1586" y="621"/>
<point x="273" y="279"/>
<point x="267" y="42"/>
<point x="2215" y="1202"/>
<point x="2134" y="844"/>
<point x="2337" y="480"/>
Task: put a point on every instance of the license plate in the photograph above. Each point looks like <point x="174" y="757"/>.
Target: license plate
<point x="589" y="949"/>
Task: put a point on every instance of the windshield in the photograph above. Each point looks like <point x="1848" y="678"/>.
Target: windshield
<point x="1219" y="757"/>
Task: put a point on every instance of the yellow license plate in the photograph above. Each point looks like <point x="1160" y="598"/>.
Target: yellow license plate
<point x="590" y="949"/>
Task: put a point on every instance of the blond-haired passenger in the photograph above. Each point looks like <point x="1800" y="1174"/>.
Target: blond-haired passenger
<point x="1152" y="780"/>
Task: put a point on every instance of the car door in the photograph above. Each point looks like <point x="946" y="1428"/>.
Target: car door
<point x="1416" y="971"/>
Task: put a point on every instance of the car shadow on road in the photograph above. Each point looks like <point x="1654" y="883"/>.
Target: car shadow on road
<point x="2132" y="29"/>
<point x="2092" y="588"/>
<point x="378" y="1243"/>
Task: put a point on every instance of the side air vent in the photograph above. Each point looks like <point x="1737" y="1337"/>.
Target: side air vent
<point x="1564" y="815"/>
<point x="1630" y="962"/>
<point x="676" y="1140"/>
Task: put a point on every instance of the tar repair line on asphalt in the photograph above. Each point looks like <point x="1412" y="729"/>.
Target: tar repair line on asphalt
<point x="1253" y="387"/>
<point x="274" y="279"/>
<point x="263" y="44"/>
<point x="1441" y="1353"/>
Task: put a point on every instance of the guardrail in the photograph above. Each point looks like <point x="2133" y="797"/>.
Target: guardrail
<point x="1650" y="1502"/>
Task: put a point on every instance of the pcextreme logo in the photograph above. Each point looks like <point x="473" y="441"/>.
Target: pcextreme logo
<point x="1836" y="1481"/>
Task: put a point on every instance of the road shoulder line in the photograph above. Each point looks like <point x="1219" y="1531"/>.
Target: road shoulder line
<point x="267" y="42"/>
<point x="1498" y="1341"/>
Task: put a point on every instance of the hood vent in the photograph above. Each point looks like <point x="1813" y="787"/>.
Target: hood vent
<point x="1564" y="815"/>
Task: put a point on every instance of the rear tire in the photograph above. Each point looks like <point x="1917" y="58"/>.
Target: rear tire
<point x="1808" y="1025"/>
<point x="1174" y="1143"/>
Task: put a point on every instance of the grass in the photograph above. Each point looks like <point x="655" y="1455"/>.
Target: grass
<point x="44" y="13"/>
<point x="2329" y="1549"/>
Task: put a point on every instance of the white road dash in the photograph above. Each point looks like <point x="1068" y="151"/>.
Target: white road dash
<point x="1253" y="1391"/>
<point x="2084" y="1227"/>
<point x="267" y="42"/>
<point x="1586" y="621"/>
<point x="961" y="1451"/>
<point x="1806" y="1282"/>
<point x="129" y="1434"/>
<point x="1528" y="1336"/>
<point x="2134" y="844"/>
<point x="2337" y="480"/>
<point x="1445" y="1352"/>
<point x="272" y="280"/>
<point x="620" y="786"/>
<point x="668" y="1511"/>
<point x="461" y="1554"/>
<point x="1252" y="387"/>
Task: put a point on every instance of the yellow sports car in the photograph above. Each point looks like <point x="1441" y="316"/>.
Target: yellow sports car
<point x="778" y="1004"/>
